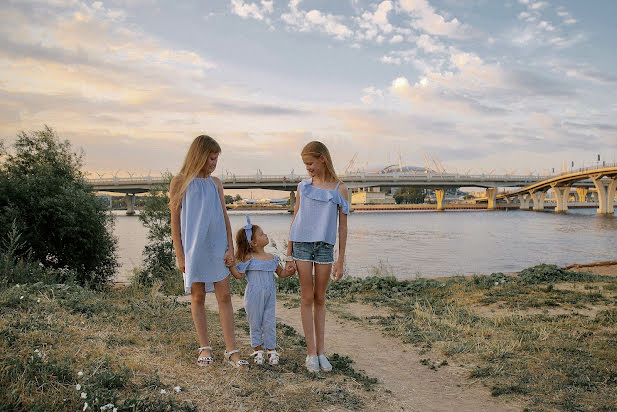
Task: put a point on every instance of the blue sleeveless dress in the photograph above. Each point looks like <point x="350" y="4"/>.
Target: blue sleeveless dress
<point x="260" y="300"/>
<point x="204" y="234"/>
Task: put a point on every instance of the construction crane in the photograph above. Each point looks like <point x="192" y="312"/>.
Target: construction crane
<point x="351" y="163"/>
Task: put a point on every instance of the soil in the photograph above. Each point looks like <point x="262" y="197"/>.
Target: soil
<point x="397" y="366"/>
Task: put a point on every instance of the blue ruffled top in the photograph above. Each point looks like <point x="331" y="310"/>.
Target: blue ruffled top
<point x="259" y="273"/>
<point x="317" y="217"/>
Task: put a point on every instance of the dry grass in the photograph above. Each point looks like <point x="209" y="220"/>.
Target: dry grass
<point x="135" y="346"/>
<point x="549" y="342"/>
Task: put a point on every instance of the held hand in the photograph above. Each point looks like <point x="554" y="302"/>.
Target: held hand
<point x="290" y="268"/>
<point x="228" y="258"/>
<point x="337" y="272"/>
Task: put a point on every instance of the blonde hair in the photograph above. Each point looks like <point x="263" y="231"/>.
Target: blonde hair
<point x="317" y="149"/>
<point x="194" y="162"/>
<point x="243" y="244"/>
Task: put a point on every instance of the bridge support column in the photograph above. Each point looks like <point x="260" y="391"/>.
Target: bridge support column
<point x="606" y="194"/>
<point x="538" y="200"/>
<point x="491" y="194"/>
<point x="562" y="193"/>
<point x="581" y="193"/>
<point x="292" y="201"/>
<point x="524" y="201"/>
<point x="350" y="194"/>
<point x="129" y="198"/>
<point x="439" y="194"/>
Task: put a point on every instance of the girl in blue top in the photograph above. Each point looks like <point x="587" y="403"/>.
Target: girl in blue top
<point x="260" y="293"/>
<point x="321" y="201"/>
<point x="201" y="235"/>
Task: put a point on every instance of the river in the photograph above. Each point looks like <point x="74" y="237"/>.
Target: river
<point x="432" y="244"/>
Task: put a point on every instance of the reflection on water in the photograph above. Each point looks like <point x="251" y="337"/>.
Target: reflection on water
<point x="435" y="244"/>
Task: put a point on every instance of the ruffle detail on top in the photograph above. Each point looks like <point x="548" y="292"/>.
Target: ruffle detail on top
<point x="256" y="264"/>
<point x="323" y="195"/>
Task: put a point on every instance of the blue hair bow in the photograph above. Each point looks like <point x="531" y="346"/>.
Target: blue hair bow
<point x="248" y="229"/>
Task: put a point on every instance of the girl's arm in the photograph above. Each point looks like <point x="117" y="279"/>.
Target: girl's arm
<point x="176" y="236"/>
<point x="342" y="236"/>
<point x="229" y="255"/>
<point x="289" y="266"/>
<point x="234" y="271"/>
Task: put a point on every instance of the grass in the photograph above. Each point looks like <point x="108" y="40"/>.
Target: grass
<point x="548" y="336"/>
<point x="63" y="346"/>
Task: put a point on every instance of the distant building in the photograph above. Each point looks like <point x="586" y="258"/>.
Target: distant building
<point x="371" y="196"/>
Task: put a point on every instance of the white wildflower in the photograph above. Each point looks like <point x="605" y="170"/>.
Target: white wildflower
<point x="115" y="410"/>
<point x="84" y="395"/>
<point x="108" y="406"/>
<point x="38" y="352"/>
<point x="21" y="297"/>
<point x="496" y="283"/>
<point x="85" y="406"/>
<point x="17" y="285"/>
<point x="38" y="301"/>
<point x="163" y="391"/>
<point x="177" y="389"/>
<point x="78" y="387"/>
<point x="80" y="374"/>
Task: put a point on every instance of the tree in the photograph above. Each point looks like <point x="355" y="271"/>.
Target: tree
<point x="409" y="195"/>
<point x="159" y="255"/>
<point x="229" y="199"/>
<point x="44" y="194"/>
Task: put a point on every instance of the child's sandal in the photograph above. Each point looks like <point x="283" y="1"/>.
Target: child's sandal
<point x="242" y="364"/>
<point x="273" y="357"/>
<point x="205" y="360"/>
<point x="258" y="357"/>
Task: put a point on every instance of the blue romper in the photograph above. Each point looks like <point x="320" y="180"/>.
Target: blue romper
<point x="204" y="234"/>
<point x="260" y="300"/>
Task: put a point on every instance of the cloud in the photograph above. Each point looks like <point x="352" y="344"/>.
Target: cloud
<point x="252" y="10"/>
<point x="315" y="20"/>
<point x="426" y="19"/>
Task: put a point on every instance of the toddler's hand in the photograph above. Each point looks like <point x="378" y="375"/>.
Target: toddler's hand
<point x="290" y="268"/>
<point x="228" y="258"/>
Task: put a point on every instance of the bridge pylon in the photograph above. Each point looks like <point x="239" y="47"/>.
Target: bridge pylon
<point x="606" y="194"/>
<point x="562" y="193"/>
<point x="491" y="194"/>
<point x="581" y="194"/>
<point x="524" y="200"/>
<point x="538" y="199"/>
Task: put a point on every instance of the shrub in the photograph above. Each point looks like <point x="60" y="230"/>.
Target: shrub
<point x="61" y="222"/>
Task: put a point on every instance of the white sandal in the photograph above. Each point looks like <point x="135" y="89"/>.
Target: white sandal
<point x="273" y="357"/>
<point x="240" y="364"/>
<point x="258" y="357"/>
<point x="205" y="360"/>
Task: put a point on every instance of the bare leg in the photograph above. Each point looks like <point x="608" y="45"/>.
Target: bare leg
<point x="305" y="275"/>
<point x="322" y="276"/>
<point x="226" y="315"/>
<point x="198" y="311"/>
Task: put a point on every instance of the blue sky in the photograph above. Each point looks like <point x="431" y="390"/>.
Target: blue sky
<point x="504" y="86"/>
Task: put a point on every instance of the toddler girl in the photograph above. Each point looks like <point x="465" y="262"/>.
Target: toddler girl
<point x="260" y="293"/>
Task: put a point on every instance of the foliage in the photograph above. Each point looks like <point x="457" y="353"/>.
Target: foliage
<point x="159" y="255"/>
<point x="229" y="199"/>
<point x="62" y="224"/>
<point x="409" y="195"/>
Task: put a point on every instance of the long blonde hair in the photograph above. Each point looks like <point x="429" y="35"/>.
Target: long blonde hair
<point x="317" y="149"/>
<point x="194" y="162"/>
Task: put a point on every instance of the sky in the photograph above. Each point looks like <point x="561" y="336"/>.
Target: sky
<point x="513" y="86"/>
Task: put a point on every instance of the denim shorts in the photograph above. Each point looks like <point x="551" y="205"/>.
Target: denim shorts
<point x="318" y="252"/>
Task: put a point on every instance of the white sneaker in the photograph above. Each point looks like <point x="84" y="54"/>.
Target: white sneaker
<point x="258" y="357"/>
<point x="324" y="364"/>
<point x="312" y="363"/>
<point x="273" y="357"/>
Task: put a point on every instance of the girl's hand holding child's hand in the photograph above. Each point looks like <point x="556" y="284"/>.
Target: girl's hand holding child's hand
<point x="229" y="258"/>
<point x="290" y="268"/>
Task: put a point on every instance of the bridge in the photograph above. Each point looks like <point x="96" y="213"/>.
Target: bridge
<point x="604" y="180"/>
<point x="437" y="182"/>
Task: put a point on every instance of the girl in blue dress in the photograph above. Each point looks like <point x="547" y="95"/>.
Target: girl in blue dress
<point x="321" y="204"/>
<point x="260" y="294"/>
<point x="201" y="235"/>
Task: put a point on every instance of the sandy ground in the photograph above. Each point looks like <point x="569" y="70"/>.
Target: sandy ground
<point x="413" y="386"/>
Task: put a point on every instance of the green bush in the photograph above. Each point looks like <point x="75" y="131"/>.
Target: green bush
<point x="61" y="222"/>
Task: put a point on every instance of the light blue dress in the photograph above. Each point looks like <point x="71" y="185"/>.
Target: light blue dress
<point x="204" y="234"/>
<point x="260" y="300"/>
<point x="316" y="220"/>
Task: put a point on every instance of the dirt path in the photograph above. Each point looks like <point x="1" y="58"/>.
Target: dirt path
<point x="397" y="366"/>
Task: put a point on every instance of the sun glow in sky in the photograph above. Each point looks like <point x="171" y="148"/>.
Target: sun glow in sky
<point x="513" y="85"/>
